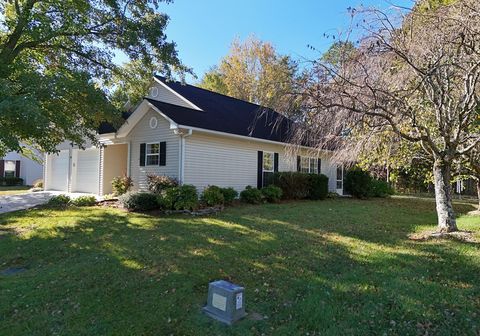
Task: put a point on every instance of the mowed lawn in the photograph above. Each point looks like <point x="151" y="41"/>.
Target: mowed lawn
<point x="13" y="190"/>
<point x="334" y="267"/>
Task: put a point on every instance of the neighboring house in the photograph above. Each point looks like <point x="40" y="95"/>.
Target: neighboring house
<point x="194" y="135"/>
<point x="15" y="165"/>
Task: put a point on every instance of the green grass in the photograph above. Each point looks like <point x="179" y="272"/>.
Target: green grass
<point x="13" y="190"/>
<point x="330" y="267"/>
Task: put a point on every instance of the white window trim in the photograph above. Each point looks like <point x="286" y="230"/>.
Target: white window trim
<point x="337" y="179"/>
<point x="310" y="158"/>
<point x="273" y="162"/>
<point x="14" y="168"/>
<point x="155" y="154"/>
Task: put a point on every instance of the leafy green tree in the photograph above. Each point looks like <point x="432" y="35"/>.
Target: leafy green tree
<point x="338" y="53"/>
<point x="255" y="72"/>
<point x="130" y="84"/>
<point x="54" y="57"/>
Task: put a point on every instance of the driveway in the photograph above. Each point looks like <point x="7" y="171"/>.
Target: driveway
<point x="23" y="201"/>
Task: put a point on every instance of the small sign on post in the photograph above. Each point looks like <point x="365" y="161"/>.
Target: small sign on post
<point x="225" y="302"/>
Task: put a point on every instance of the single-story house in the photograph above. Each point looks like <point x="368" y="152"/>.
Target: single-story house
<point x="14" y="164"/>
<point x="194" y="135"/>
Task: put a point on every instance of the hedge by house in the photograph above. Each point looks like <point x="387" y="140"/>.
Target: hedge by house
<point x="295" y="185"/>
<point x="11" y="181"/>
<point x="361" y="184"/>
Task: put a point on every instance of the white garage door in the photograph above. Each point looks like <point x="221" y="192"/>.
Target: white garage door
<point x="87" y="170"/>
<point x="58" y="175"/>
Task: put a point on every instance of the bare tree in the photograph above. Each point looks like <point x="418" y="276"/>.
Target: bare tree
<point x="418" y="77"/>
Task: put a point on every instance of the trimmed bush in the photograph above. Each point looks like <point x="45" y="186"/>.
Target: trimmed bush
<point x="159" y="183"/>
<point x="121" y="185"/>
<point x="38" y="184"/>
<point x="358" y="183"/>
<point x="251" y="195"/>
<point x="84" y="201"/>
<point x="212" y="195"/>
<point x="59" y="201"/>
<point x="11" y="181"/>
<point x="379" y="188"/>
<point x="138" y="201"/>
<point x="294" y="185"/>
<point x="184" y="197"/>
<point x="272" y="193"/>
<point x="229" y="195"/>
<point x="317" y="186"/>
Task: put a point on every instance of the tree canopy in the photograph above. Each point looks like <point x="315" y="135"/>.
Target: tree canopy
<point x="55" y="57"/>
<point x="253" y="71"/>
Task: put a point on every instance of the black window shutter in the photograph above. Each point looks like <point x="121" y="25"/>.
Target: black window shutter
<point x="17" y="168"/>
<point x="275" y="162"/>
<point x="2" y="168"/>
<point x="163" y="154"/>
<point x="260" y="170"/>
<point x="319" y="166"/>
<point x="299" y="166"/>
<point x="142" y="154"/>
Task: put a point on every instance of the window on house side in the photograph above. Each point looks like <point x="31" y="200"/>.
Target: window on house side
<point x="268" y="162"/>
<point x="308" y="165"/>
<point x="152" y="154"/>
<point x="339" y="177"/>
<point x="10" y="168"/>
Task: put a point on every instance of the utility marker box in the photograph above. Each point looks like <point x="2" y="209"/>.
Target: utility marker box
<point x="225" y="302"/>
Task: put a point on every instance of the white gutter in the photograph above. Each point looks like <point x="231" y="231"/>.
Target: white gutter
<point x="247" y="137"/>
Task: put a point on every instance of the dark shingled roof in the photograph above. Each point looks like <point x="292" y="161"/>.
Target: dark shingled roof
<point x="225" y="114"/>
<point x="221" y="113"/>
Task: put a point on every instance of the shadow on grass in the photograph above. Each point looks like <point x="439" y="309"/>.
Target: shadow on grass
<point x="333" y="267"/>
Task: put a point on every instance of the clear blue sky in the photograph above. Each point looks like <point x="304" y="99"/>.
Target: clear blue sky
<point x="204" y="29"/>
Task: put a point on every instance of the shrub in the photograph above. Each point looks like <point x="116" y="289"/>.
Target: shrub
<point x="138" y="201"/>
<point x="38" y="184"/>
<point x="251" y="195"/>
<point x="272" y="193"/>
<point x="358" y="183"/>
<point x="184" y="197"/>
<point x="229" y="195"/>
<point x="84" y="201"/>
<point x="59" y="201"/>
<point x="294" y="185"/>
<point x="158" y="183"/>
<point x="333" y="195"/>
<point x="212" y="195"/>
<point x="11" y="181"/>
<point x="317" y="186"/>
<point x="379" y="188"/>
<point x="121" y="185"/>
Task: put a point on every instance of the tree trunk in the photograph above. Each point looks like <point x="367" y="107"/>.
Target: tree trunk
<point x="443" y="196"/>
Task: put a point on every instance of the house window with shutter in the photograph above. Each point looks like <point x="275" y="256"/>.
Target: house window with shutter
<point x="268" y="159"/>
<point x="309" y="165"/>
<point x="152" y="154"/>
<point x="10" y="170"/>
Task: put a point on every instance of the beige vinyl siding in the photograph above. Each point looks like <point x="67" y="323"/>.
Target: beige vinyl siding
<point x="113" y="164"/>
<point x="167" y="96"/>
<point x="228" y="162"/>
<point x="142" y="133"/>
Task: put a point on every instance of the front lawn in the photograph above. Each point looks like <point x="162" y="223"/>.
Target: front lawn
<point x="13" y="190"/>
<point x="310" y="268"/>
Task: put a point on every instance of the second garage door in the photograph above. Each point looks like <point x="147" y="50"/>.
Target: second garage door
<point x="87" y="168"/>
<point x="58" y="177"/>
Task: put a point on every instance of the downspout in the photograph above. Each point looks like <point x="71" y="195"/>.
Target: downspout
<point x="183" y="133"/>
